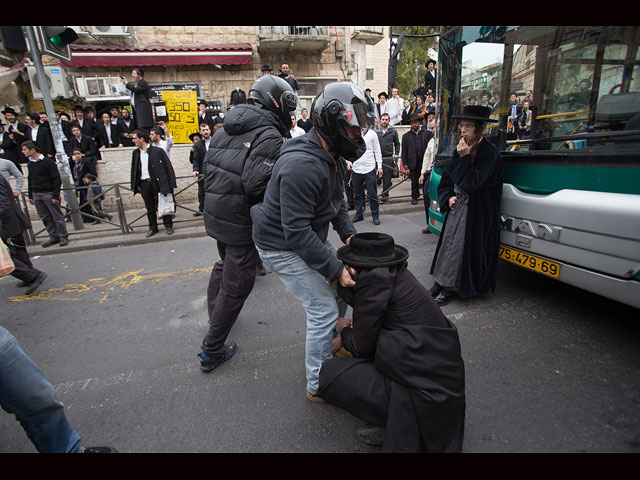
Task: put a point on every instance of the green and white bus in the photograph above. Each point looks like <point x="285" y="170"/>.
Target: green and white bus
<point x="571" y="196"/>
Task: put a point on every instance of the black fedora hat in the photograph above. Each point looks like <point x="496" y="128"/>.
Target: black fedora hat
<point x="474" y="112"/>
<point x="372" y="249"/>
<point x="431" y="60"/>
<point x="9" y="110"/>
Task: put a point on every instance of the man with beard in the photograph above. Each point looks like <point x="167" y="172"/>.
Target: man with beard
<point x="237" y="168"/>
<point x="414" y="144"/>
<point x="200" y="149"/>
<point x="126" y="126"/>
<point x="305" y="196"/>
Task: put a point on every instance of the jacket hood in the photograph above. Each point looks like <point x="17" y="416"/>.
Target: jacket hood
<point x="308" y="144"/>
<point x="246" y="117"/>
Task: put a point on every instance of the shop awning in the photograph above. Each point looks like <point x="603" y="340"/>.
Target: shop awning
<point x="160" y="55"/>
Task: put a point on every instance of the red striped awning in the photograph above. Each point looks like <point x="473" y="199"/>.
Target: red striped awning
<point x="160" y="55"/>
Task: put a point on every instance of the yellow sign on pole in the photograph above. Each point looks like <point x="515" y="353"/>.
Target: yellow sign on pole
<point x="182" y="113"/>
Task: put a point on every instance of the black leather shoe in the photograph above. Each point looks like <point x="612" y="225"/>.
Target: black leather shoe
<point x="357" y="219"/>
<point x="64" y="242"/>
<point x="376" y="221"/>
<point x="169" y="231"/>
<point x="426" y="230"/>
<point x="33" y="286"/>
<point x="50" y="242"/>
<point x="445" y="297"/>
<point x="151" y="233"/>
<point x="414" y="201"/>
<point x="197" y="214"/>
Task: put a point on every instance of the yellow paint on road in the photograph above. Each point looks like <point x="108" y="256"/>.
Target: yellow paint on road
<point x="103" y="288"/>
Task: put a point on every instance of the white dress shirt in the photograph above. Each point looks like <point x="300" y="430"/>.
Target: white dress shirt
<point x="372" y="157"/>
<point x="144" y="165"/>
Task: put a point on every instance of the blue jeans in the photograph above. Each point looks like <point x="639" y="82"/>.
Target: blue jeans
<point x="360" y="181"/>
<point x="319" y="300"/>
<point x="26" y="393"/>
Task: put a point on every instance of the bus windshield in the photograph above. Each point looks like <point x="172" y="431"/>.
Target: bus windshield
<point x="570" y="89"/>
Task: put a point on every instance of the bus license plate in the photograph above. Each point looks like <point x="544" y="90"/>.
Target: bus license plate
<point x="529" y="261"/>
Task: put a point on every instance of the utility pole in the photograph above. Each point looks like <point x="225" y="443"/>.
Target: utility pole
<point x="61" y="157"/>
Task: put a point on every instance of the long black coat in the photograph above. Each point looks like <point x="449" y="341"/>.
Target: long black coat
<point x="12" y="220"/>
<point x="88" y="147"/>
<point x="161" y="171"/>
<point x="407" y="371"/>
<point x="482" y="180"/>
<point x="11" y="149"/>
<point x="412" y="157"/>
<point x="142" y="112"/>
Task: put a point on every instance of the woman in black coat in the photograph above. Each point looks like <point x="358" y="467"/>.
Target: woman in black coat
<point x="406" y="372"/>
<point x="470" y="190"/>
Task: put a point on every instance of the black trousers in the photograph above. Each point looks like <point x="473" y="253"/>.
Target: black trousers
<point x="387" y="174"/>
<point x="150" y="197"/>
<point x="24" y="270"/>
<point x="201" y="194"/>
<point x="231" y="282"/>
<point x="415" y="184"/>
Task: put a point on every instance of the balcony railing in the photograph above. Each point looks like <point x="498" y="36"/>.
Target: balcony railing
<point x="300" y="37"/>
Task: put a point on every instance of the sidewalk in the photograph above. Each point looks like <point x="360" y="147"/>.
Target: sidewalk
<point x="105" y="235"/>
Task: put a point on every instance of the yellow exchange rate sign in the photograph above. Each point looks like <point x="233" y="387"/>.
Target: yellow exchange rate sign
<point x="182" y="112"/>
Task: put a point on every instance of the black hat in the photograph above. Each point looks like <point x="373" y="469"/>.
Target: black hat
<point x="415" y="118"/>
<point x="78" y="107"/>
<point x="266" y="68"/>
<point x="9" y="110"/>
<point x="372" y="249"/>
<point x="431" y="60"/>
<point x="474" y="112"/>
<point x="193" y="135"/>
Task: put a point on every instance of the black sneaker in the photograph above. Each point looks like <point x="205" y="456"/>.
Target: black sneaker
<point x="210" y="363"/>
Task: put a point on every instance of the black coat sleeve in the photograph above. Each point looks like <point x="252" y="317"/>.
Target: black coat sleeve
<point x="369" y="300"/>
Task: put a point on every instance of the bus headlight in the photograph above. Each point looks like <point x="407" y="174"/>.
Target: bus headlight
<point x="435" y="206"/>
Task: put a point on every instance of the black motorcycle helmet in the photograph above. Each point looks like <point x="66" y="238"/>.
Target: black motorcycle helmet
<point x="276" y="95"/>
<point x="340" y="104"/>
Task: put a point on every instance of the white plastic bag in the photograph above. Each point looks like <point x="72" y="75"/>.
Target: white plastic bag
<point x="6" y="262"/>
<point x="166" y="205"/>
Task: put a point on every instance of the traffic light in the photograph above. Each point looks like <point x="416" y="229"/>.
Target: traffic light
<point x="55" y="41"/>
<point x="13" y="39"/>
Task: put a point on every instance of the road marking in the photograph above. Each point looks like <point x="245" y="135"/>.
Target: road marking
<point x="100" y="289"/>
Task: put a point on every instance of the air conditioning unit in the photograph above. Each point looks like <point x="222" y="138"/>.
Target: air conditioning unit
<point x="109" y="30"/>
<point x="57" y="82"/>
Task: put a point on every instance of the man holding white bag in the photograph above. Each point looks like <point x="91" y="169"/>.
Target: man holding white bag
<point x="152" y="175"/>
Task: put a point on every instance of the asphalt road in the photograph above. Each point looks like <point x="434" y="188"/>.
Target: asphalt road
<point x="549" y="368"/>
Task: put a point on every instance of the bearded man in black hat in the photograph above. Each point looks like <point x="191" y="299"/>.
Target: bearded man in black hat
<point x="414" y="144"/>
<point x="405" y="375"/>
<point x="470" y="191"/>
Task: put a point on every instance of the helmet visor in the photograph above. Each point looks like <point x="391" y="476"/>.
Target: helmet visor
<point x="357" y="115"/>
<point x="289" y="101"/>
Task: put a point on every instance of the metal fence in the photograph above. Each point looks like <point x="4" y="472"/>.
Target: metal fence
<point x="120" y="222"/>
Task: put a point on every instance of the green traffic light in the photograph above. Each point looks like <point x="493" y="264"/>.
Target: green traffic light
<point x="63" y="38"/>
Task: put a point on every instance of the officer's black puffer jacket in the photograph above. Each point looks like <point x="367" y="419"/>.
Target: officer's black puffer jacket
<point x="237" y="168"/>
